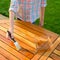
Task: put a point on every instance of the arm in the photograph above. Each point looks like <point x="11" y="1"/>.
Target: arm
<point x="11" y="21"/>
<point x="12" y="11"/>
<point x="42" y="11"/>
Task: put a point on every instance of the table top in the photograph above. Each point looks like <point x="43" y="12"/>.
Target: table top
<point x="8" y="50"/>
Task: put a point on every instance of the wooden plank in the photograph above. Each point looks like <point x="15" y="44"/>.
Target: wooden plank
<point x="53" y="46"/>
<point x="49" y="58"/>
<point x="4" y="39"/>
<point x="4" y="21"/>
<point x="58" y="47"/>
<point x="27" y="53"/>
<point x="55" y="57"/>
<point x="57" y="52"/>
<point x="2" y="57"/>
<point x="12" y="51"/>
<point x="3" y="17"/>
<point x="30" y="56"/>
<point x="52" y="35"/>
<point x="38" y="55"/>
<point x="8" y="55"/>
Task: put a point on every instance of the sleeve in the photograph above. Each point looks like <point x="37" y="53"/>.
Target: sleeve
<point x="14" y="5"/>
<point x="43" y="3"/>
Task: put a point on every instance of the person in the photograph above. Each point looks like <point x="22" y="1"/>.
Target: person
<point x="26" y="10"/>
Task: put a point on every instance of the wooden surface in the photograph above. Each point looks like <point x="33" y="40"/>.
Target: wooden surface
<point x="8" y="50"/>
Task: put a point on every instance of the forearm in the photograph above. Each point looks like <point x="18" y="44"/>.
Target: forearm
<point x="11" y="21"/>
<point x="42" y="11"/>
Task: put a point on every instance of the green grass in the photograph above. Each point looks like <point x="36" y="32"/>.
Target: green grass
<point x="52" y="14"/>
<point x="4" y="6"/>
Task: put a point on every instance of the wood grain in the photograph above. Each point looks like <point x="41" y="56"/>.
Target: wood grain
<point x="31" y="34"/>
<point x="2" y="57"/>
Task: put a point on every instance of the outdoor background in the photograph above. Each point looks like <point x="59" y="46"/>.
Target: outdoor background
<point x="52" y="14"/>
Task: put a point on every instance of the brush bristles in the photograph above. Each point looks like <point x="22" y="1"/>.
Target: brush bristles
<point x="18" y="47"/>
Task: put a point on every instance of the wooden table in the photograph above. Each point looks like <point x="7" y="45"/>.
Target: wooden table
<point x="8" y="50"/>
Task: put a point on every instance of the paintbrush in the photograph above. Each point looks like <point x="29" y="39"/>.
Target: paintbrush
<point x="18" y="47"/>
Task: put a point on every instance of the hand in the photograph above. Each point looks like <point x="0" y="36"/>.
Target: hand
<point x="8" y="35"/>
<point x="41" y="23"/>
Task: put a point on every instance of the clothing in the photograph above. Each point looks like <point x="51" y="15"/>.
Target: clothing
<point x="27" y="9"/>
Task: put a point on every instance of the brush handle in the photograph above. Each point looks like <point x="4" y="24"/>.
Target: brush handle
<point x="11" y="36"/>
